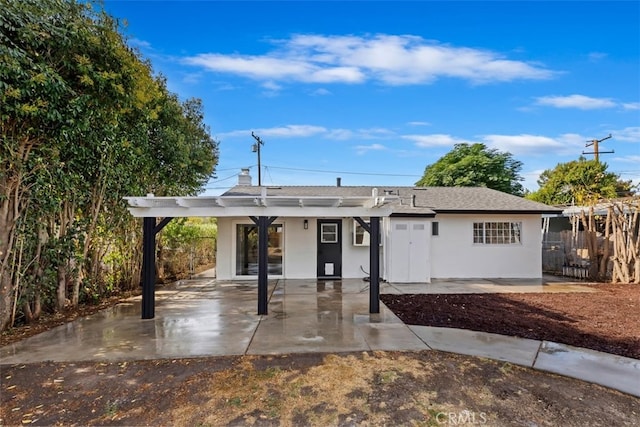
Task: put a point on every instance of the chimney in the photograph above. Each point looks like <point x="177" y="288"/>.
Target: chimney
<point x="244" y="178"/>
<point x="338" y="182"/>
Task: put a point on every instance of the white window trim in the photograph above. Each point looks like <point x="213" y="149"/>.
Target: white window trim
<point x="510" y="228"/>
<point x="329" y="224"/>
<point x="366" y="238"/>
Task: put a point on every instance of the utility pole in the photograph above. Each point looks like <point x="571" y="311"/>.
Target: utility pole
<point x="596" y="152"/>
<point x="256" y="148"/>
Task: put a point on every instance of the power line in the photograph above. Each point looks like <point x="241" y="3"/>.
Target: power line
<point x="344" y="172"/>
<point x="232" y="169"/>
<point x="217" y="181"/>
<point x="224" y="179"/>
<point x="266" y="169"/>
<point x="218" y="188"/>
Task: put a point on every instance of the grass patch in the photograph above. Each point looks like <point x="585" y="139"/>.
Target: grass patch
<point x="245" y="393"/>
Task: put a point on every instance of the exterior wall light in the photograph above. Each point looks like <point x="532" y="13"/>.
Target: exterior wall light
<point x="305" y="224"/>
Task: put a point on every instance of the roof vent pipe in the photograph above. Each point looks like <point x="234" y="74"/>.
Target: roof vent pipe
<point x="413" y="200"/>
<point x="338" y="182"/>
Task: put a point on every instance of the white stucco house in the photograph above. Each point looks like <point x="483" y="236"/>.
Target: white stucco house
<point x="427" y="233"/>
<point x="399" y="234"/>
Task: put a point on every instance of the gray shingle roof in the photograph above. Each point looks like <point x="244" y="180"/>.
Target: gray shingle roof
<point x="476" y="199"/>
<point x="427" y="199"/>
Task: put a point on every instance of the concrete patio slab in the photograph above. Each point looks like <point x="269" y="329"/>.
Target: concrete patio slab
<point x="620" y="373"/>
<point x="193" y="318"/>
<point x="205" y="317"/>
<point x="328" y="316"/>
<point x="515" y="350"/>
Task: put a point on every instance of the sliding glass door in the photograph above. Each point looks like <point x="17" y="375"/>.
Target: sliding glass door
<point x="247" y="249"/>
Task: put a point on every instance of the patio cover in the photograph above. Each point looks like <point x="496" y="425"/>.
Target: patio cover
<point x="262" y="210"/>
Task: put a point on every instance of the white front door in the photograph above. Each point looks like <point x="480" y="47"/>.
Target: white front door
<point x="409" y="242"/>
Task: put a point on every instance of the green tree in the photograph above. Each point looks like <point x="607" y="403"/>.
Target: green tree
<point x="83" y="123"/>
<point x="580" y="182"/>
<point x="38" y="76"/>
<point x="475" y="165"/>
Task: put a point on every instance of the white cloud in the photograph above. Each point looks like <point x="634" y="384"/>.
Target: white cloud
<point x="576" y="101"/>
<point x="373" y="133"/>
<point x="341" y="134"/>
<point x="272" y="86"/>
<point x="629" y="134"/>
<point x="320" y="92"/>
<point x="362" y="149"/>
<point x="628" y="159"/>
<point x="419" y="123"/>
<point x="303" y="131"/>
<point x="597" y="56"/>
<point x="411" y="60"/>
<point x="289" y="131"/>
<point x="514" y="144"/>
<point x="273" y="68"/>
<point x="192" y="78"/>
<point x="631" y="105"/>
<point x="390" y="59"/>
<point x="435" y="140"/>
<point x="522" y="144"/>
<point x="139" y="43"/>
<point x="220" y="86"/>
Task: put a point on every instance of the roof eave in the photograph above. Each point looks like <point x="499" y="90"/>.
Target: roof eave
<point x="412" y="215"/>
<point x="498" y="212"/>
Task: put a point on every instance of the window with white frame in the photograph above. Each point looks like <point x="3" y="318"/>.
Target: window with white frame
<point x="497" y="233"/>
<point x="329" y="233"/>
<point x="361" y="236"/>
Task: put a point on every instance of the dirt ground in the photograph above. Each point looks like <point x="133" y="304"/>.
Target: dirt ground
<point x="427" y="388"/>
<point x="607" y="320"/>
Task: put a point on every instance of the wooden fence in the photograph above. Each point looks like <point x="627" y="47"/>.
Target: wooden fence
<point x="602" y="245"/>
<point x="565" y="253"/>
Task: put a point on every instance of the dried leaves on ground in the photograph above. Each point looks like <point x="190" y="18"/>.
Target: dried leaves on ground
<point x="427" y="388"/>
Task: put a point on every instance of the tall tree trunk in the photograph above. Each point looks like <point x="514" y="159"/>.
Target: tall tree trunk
<point x="604" y="261"/>
<point x="8" y="216"/>
<point x="13" y="190"/>
<point x="38" y="277"/>
<point x="97" y="198"/>
<point x="592" y="242"/>
<point x="61" y="294"/>
<point x="66" y="268"/>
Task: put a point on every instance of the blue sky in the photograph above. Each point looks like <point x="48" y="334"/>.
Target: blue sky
<point x="373" y="92"/>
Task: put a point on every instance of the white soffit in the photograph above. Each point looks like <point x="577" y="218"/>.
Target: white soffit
<point x="263" y="205"/>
